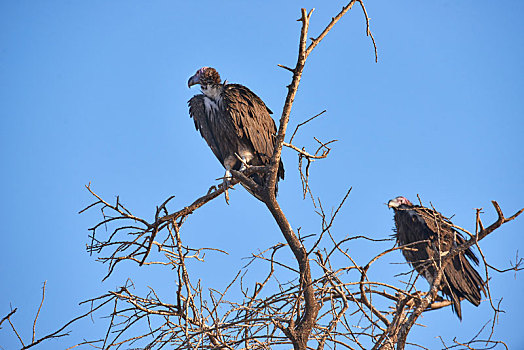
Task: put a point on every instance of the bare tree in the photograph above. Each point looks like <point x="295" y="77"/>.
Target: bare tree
<point x="330" y="299"/>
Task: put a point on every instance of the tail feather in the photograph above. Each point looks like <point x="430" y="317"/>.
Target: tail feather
<point x="462" y="282"/>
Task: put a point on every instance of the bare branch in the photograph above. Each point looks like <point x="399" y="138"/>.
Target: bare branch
<point x="38" y="312"/>
<point x="304" y="123"/>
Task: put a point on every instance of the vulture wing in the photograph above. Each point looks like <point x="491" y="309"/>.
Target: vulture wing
<point x="197" y="111"/>
<point x="252" y="120"/>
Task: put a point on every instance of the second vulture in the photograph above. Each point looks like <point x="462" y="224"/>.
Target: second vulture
<point x="436" y="237"/>
<point x="235" y="124"/>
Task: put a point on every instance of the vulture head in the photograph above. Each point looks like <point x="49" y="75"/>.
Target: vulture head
<point x="204" y="76"/>
<point x="397" y="202"/>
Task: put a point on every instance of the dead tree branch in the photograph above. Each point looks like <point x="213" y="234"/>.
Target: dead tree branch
<point x="401" y="333"/>
<point x="329" y="300"/>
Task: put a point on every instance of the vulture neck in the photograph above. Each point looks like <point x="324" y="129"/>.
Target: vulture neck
<point x="213" y="91"/>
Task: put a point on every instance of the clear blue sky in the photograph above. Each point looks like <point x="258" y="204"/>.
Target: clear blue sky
<point x="96" y="92"/>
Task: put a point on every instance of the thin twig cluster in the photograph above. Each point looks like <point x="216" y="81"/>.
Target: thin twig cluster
<point x="323" y="299"/>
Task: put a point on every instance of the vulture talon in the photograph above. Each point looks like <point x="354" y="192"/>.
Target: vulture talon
<point x="226" y="196"/>
<point x="243" y="162"/>
<point x="226" y="184"/>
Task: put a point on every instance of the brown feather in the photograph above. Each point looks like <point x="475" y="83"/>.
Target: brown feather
<point x="460" y="280"/>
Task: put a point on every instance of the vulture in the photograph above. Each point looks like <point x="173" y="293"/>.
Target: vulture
<point x="235" y="123"/>
<point x="415" y="223"/>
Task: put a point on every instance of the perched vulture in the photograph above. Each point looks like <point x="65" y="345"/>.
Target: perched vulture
<point x="415" y="223"/>
<point x="235" y="123"/>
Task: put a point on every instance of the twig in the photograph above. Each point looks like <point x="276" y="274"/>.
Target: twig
<point x="8" y="315"/>
<point x="304" y="123"/>
<point x="38" y="312"/>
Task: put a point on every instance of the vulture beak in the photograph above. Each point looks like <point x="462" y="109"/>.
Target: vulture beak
<point x="392" y="203"/>
<point x="195" y="79"/>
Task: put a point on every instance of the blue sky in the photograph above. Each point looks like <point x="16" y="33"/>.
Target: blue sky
<point x="96" y="92"/>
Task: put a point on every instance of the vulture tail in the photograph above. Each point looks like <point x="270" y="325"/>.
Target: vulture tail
<point x="463" y="282"/>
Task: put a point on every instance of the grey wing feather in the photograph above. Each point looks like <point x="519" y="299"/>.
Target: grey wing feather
<point x="197" y="111"/>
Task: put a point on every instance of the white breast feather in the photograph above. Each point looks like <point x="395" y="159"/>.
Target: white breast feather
<point x="211" y="107"/>
<point x="213" y="93"/>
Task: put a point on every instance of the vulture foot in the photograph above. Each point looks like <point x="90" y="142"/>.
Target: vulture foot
<point x="243" y="160"/>
<point x="226" y="185"/>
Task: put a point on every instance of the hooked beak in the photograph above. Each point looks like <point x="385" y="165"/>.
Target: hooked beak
<point x="195" y="79"/>
<point x="392" y="203"/>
